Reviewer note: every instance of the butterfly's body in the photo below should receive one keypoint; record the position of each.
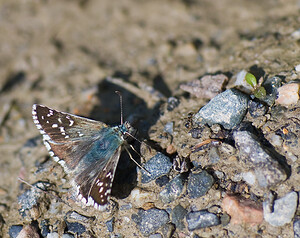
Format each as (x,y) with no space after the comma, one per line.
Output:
(88,150)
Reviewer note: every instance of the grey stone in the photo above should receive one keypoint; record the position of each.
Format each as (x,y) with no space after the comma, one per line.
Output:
(158,165)
(53,235)
(227,109)
(271,85)
(45,227)
(151,220)
(157,235)
(31,198)
(67,236)
(162,181)
(267,170)
(177,216)
(75,228)
(256,108)
(199,184)
(110,224)
(72,215)
(201,219)
(283,210)
(14,231)
(214,155)
(296,227)
(172,103)
(172,190)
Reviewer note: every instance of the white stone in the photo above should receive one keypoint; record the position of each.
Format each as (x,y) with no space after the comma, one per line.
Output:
(288,94)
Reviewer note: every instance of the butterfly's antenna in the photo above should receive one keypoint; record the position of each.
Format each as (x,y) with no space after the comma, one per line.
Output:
(50,194)
(121,105)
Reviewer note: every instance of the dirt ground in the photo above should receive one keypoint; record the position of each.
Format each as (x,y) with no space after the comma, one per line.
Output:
(59,53)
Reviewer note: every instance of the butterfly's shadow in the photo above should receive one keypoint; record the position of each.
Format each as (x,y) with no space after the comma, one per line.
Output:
(140,117)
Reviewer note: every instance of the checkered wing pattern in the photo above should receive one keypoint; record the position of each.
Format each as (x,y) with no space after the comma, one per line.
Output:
(69,139)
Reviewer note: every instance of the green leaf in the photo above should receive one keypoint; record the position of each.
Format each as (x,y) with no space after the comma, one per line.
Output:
(250,79)
(260,93)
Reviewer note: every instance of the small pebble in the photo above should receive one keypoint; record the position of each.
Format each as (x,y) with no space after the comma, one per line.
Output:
(267,170)
(44,226)
(242,211)
(199,184)
(172,103)
(157,235)
(249,177)
(171,149)
(158,165)
(297,68)
(110,224)
(72,215)
(172,190)
(167,230)
(53,235)
(29,200)
(169,127)
(138,197)
(276,140)
(67,236)
(208,86)
(75,228)
(28,231)
(201,219)
(151,220)
(214,155)
(14,230)
(177,215)
(242,83)
(271,85)
(185,50)
(126,207)
(296,34)
(256,108)
(220,175)
(296,227)
(227,109)
(162,181)
(288,94)
(282,211)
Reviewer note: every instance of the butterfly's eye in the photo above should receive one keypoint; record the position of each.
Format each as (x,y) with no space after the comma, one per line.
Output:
(129,130)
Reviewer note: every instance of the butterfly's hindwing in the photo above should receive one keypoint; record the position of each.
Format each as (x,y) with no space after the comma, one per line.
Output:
(95,189)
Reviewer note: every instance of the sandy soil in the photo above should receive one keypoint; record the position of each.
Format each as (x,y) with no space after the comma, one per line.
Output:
(58,53)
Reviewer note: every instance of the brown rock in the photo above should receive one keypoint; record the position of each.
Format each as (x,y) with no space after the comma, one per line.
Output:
(242,210)
(28,232)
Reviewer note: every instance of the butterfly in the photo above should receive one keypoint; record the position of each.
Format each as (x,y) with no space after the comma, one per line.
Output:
(88,150)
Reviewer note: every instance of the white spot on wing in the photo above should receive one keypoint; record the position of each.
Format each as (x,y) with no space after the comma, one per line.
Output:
(46,137)
(71,122)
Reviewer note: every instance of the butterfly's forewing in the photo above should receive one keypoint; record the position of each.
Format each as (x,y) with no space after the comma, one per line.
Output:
(66,136)
(86,148)
(61,127)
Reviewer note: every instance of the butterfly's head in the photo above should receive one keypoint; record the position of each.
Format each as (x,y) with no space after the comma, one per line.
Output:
(127,130)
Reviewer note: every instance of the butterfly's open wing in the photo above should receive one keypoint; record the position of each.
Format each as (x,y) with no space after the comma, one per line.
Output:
(66,136)
(94,189)
(61,127)
(88,149)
